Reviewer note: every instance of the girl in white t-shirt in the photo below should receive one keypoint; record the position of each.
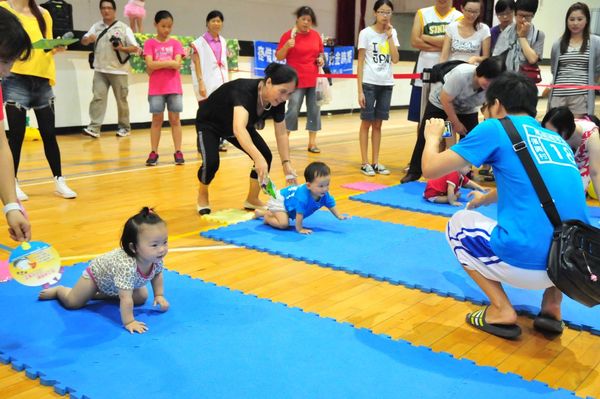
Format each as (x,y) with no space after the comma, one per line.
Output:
(467,39)
(377,50)
(124,272)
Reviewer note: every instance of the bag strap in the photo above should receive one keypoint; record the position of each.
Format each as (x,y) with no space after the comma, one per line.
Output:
(102,33)
(520,147)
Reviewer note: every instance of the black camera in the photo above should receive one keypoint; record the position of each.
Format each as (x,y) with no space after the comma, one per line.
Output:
(115,41)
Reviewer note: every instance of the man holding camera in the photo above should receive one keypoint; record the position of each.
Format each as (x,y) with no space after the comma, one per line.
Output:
(113,42)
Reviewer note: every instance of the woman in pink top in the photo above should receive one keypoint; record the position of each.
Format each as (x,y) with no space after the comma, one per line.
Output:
(163,60)
(302,48)
(582,136)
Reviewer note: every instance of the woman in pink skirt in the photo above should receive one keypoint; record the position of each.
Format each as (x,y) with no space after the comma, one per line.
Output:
(135,11)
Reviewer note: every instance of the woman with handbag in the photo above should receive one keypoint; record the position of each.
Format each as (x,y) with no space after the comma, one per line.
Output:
(522,44)
(302,48)
(575,60)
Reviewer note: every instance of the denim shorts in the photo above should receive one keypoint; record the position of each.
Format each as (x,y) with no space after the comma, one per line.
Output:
(174,103)
(25,91)
(377,102)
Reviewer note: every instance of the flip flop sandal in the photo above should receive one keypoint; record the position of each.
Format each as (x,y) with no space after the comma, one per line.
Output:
(548,324)
(314,150)
(507,331)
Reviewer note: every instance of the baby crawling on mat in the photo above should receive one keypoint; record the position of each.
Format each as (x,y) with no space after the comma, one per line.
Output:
(446,189)
(299,202)
(124,272)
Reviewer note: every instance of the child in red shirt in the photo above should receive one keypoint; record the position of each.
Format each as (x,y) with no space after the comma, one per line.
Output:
(446,189)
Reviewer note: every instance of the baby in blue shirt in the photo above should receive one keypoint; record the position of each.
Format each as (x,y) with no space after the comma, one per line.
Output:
(299,202)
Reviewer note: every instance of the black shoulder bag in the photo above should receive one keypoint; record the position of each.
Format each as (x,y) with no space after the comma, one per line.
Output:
(92,55)
(574,257)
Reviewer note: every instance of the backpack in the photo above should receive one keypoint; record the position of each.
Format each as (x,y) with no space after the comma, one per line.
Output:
(62,16)
(437,72)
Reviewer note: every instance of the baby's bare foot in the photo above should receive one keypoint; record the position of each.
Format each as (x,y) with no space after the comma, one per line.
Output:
(48,293)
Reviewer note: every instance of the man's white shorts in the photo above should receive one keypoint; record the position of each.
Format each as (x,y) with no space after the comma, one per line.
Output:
(469,233)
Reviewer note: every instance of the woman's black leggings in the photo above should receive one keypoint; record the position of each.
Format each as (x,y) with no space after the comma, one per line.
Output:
(16,124)
(208,146)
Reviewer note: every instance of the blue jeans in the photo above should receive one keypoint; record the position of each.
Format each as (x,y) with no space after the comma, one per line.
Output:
(27,92)
(377,102)
(313,111)
(174,103)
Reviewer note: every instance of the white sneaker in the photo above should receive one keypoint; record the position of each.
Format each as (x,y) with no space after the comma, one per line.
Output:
(122,132)
(382,170)
(62,189)
(89,132)
(367,170)
(21,196)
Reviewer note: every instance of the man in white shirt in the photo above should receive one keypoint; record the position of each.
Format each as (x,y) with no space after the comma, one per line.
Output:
(113,42)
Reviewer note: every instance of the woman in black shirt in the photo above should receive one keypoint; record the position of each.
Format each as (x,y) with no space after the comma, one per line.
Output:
(234,112)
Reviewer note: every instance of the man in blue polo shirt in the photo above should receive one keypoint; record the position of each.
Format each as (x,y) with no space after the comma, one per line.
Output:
(514,249)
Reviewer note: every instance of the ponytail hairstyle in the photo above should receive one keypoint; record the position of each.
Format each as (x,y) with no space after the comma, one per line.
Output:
(562,119)
(37,13)
(280,74)
(131,230)
(566,36)
(15,43)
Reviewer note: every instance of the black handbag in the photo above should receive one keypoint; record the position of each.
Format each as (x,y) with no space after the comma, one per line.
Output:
(574,257)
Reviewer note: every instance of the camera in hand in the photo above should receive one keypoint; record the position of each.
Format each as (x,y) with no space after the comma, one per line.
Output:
(115,41)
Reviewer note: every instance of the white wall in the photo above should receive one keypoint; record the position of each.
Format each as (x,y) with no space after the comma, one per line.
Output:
(74,83)
(244,19)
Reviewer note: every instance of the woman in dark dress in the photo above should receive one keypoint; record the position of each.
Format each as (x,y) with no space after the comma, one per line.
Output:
(235,112)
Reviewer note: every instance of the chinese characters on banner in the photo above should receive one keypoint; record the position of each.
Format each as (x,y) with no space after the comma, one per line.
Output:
(339,59)
(264,54)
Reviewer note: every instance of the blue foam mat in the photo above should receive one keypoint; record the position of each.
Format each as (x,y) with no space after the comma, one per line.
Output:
(413,257)
(218,343)
(409,196)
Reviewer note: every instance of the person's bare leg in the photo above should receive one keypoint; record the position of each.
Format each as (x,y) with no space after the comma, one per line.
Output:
(71,298)
(253,192)
(363,138)
(500,310)
(279,220)
(551,303)
(375,140)
(312,139)
(155,127)
(140,296)
(203,195)
(175,123)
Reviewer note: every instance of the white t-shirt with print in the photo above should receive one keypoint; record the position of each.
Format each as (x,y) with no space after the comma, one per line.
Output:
(463,48)
(378,61)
